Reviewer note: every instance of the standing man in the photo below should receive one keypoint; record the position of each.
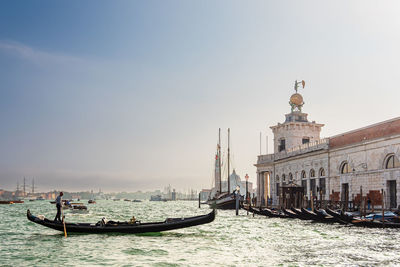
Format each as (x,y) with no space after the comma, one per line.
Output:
(59,204)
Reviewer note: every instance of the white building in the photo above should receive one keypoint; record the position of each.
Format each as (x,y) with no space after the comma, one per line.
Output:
(338,165)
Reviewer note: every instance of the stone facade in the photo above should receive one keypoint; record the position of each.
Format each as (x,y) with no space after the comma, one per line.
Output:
(366,157)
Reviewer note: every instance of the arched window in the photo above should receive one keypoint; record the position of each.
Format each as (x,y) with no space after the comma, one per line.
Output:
(277,178)
(283,177)
(303,175)
(321,172)
(392,162)
(312,173)
(290,177)
(344,168)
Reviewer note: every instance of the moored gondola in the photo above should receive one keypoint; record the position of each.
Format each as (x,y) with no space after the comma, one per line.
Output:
(124,227)
(374,224)
(319,216)
(290,214)
(265,212)
(325,217)
(341,216)
(301,215)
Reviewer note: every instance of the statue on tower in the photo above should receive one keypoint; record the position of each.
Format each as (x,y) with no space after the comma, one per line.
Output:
(296,100)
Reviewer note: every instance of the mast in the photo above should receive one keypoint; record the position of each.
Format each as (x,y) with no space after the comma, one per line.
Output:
(219,160)
(229,184)
(24,186)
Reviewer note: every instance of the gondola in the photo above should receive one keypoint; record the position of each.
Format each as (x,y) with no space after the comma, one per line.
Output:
(341,216)
(374,224)
(124,227)
(273,213)
(325,217)
(301,215)
(318,216)
(265,212)
(290,214)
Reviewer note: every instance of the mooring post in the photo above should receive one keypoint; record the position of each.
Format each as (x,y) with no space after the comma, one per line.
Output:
(361,201)
(199,200)
(383,207)
(320,198)
(365,206)
(312,201)
(254,202)
(237,196)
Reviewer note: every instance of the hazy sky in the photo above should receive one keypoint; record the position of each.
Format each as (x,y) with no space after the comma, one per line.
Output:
(129,95)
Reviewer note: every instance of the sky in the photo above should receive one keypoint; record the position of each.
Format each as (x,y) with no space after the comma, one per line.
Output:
(129,95)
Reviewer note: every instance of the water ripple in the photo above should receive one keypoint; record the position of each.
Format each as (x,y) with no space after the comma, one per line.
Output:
(230,240)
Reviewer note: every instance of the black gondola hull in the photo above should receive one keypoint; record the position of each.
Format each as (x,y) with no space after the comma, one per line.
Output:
(374,224)
(290,214)
(265,212)
(226,202)
(168,224)
(342,217)
(319,217)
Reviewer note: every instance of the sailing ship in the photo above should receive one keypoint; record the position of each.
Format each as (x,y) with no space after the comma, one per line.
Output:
(222,200)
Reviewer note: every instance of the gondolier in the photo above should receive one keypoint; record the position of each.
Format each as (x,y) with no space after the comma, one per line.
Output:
(59,205)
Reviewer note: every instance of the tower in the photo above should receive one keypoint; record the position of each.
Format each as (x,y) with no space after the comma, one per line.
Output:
(296,130)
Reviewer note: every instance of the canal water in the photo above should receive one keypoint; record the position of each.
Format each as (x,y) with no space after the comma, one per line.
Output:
(230,240)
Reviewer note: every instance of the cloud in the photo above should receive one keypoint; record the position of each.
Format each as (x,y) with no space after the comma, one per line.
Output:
(35,55)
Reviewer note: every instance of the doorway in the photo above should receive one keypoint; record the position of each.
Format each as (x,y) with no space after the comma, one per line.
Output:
(266,187)
(345,195)
(392,194)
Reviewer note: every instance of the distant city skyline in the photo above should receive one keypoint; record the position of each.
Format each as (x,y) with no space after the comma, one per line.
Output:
(129,95)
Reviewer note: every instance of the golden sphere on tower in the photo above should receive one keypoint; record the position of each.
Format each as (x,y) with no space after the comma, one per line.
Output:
(296,99)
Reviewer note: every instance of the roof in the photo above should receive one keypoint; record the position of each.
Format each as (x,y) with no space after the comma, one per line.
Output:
(371,132)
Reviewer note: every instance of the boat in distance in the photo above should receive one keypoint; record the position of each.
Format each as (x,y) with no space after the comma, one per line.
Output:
(124,227)
(224,201)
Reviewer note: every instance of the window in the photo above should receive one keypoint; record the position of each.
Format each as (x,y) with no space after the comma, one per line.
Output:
(282,145)
(392,162)
(306,140)
(303,175)
(277,178)
(321,172)
(290,177)
(277,189)
(312,173)
(344,168)
(283,178)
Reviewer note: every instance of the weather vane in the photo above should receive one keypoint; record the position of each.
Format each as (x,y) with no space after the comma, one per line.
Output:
(296,84)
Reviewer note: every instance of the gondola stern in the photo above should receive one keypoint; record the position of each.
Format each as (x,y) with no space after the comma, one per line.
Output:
(29,215)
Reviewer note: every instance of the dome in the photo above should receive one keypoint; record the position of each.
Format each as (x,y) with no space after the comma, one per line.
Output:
(296,99)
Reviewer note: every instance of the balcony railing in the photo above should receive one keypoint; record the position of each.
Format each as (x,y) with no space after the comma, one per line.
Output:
(305,148)
(265,158)
(297,150)
(313,144)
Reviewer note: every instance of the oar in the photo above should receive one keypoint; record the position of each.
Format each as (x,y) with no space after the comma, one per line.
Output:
(63,217)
